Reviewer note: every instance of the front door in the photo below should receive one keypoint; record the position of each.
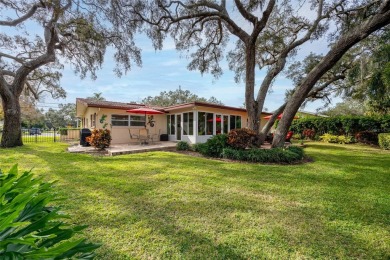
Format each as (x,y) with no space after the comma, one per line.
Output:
(178,127)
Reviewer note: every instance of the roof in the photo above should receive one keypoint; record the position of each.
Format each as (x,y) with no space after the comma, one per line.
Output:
(127,106)
(114,105)
(203,104)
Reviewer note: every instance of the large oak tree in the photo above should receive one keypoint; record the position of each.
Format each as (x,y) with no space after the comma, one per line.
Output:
(38,36)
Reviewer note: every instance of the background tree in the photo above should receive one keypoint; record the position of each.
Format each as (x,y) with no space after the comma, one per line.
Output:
(63,117)
(178,96)
(357,23)
(347,107)
(359,77)
(369,80)
(97,96)
(75,32)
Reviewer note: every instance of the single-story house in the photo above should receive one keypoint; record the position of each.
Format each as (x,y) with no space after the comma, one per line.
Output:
(192,122)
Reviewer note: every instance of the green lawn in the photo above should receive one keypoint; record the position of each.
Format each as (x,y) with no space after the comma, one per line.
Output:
(167,205)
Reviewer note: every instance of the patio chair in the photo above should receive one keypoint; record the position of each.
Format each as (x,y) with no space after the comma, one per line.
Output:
(133,136)
(155,136)
(143,136)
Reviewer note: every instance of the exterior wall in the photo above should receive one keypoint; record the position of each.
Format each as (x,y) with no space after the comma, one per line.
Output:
(120,134)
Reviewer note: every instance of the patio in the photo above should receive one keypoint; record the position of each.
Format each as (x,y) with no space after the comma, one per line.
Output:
(119,149)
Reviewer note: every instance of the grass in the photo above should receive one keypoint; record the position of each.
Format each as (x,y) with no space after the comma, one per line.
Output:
(168,205)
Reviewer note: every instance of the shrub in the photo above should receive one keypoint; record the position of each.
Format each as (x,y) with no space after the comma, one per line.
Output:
(182,146)
(215,145)
(296,137)
(200,148)
(309,134)
(367,137)
(63,131)
(384,141)
(29,229)
(329,138)
(342,125)
(243,138)
(344,139)
(275,155)
(340,139)
(100,138)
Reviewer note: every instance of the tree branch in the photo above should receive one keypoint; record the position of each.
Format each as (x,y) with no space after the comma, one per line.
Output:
(23,18)
(244,12)
(11,57)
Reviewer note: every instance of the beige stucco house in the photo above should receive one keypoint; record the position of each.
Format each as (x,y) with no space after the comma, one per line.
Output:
(193,122)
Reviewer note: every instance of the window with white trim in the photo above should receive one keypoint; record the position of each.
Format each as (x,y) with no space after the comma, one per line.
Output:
(188,123)
(119,120)
(137,120)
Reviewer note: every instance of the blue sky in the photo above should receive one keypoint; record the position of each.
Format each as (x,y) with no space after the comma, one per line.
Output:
(165,70)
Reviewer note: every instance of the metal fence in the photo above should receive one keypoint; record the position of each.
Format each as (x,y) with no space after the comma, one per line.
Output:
(54,135)
(38,136)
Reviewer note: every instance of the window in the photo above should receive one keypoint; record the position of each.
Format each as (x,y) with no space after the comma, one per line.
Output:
(232,122)
(188,123)
(210,123)
(191,123)
(171,124)
(218,124)
(205,123)
(238,121)
(235,122)
(137,120)
(225,124)
(120,120)
(201,123)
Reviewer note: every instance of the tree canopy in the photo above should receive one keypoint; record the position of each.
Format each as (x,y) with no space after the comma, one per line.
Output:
(63,117)
(178,96)
(346,107)
(269,33)
(39,36)
(97,96)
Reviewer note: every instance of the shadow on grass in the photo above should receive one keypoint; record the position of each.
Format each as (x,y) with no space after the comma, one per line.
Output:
(166,205)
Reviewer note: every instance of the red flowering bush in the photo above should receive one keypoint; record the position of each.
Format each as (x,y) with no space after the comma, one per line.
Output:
(243,138)
(367,137)
(309,134)
(100,138)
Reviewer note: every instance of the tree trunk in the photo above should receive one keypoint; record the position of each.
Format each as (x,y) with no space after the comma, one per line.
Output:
(12,134)
(331,58)
(251,104)
(270,123)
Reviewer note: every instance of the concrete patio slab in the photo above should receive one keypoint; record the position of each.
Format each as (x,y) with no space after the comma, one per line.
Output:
(118,149)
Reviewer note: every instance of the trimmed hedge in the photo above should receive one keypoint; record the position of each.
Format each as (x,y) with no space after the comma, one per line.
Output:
(276,155)
(342,125)
(384,141)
